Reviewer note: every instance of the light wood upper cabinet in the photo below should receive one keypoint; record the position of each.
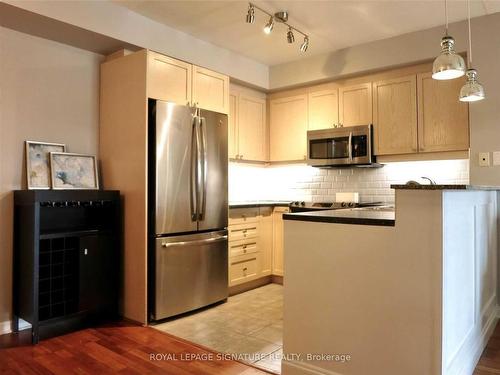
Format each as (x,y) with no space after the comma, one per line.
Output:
(252,128)
(232,141)
(247,124)
(395,115)
(443,121)
(355,104)
(288,128)
(210,90)
(168,79)
(323,109)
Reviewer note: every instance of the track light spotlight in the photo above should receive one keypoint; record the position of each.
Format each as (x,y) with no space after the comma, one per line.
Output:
(304,45)
(269,25)
(250,14)
(289,36)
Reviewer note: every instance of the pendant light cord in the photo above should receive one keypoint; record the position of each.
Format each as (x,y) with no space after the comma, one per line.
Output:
(470,41)
(446,14)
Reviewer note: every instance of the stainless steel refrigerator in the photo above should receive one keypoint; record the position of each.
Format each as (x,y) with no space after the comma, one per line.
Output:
(189,197)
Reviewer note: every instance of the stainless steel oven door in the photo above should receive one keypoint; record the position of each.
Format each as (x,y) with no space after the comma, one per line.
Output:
(340,146)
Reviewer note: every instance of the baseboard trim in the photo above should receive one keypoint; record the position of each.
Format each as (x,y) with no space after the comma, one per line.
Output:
(292,367)
(6,326)
(277,279)
(245,287)
(481,344)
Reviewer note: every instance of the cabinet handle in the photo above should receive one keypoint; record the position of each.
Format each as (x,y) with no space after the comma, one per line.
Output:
(244,246)
(245,269)
(85,251)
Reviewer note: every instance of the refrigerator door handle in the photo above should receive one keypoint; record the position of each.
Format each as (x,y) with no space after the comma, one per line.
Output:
(204,164)
(195,242)
(194,171)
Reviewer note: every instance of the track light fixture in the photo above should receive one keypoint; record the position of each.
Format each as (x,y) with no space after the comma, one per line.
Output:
(280,17)
(269,26)
(250,14)
(289,36)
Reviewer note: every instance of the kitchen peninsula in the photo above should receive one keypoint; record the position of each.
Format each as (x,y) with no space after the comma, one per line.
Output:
(412,294)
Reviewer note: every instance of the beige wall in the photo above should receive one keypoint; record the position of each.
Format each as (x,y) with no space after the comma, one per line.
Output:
(48,92)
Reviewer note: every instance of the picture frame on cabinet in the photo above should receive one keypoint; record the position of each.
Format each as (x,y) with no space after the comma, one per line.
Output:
(38,175)
(71,171)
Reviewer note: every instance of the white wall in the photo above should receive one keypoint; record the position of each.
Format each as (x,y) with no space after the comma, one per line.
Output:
(48,92)
(300,182)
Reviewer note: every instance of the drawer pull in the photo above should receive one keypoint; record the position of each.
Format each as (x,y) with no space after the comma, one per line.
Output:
(244,269)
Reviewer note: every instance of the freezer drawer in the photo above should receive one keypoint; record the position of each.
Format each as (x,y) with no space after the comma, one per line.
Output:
(191,272)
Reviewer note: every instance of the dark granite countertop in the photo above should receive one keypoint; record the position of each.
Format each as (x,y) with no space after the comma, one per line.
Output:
(264,203)
(444,187)
(357,216)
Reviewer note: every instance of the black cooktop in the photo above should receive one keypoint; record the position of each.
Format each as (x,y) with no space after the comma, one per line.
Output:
(301,206)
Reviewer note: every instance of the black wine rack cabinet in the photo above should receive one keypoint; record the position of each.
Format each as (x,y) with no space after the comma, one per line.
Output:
(66,259)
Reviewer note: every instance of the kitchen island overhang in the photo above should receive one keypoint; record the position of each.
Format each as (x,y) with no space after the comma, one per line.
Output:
(417,296)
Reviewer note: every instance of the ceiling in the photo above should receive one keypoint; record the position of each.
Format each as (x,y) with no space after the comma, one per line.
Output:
(331,24)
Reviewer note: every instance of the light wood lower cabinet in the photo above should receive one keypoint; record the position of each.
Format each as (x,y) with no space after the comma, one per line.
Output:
(443,121)
(255,243)
(278,248)
(266,240)
(395,115)
(288,128)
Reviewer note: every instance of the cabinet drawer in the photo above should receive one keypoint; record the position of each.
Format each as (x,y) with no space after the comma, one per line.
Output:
(243,231)
(243,247)
(243,269)
(243,215)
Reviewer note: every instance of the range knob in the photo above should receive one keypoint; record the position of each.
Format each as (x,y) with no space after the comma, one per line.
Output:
(302,203)
(344,204)
(352,204)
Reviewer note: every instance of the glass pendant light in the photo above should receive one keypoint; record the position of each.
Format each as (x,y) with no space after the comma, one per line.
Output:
(472,91)
(449,64)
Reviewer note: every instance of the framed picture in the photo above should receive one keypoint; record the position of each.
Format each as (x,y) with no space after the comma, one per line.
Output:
(73,171)
(37,163)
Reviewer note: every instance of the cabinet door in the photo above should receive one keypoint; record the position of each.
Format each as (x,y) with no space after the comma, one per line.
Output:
(98,273)
(355,104)
(210,90)
(323,109)
(278,237)
(252,128)
(266,241)
(168,79)
(232,144)
(395,116)
(288,128)
(443,121)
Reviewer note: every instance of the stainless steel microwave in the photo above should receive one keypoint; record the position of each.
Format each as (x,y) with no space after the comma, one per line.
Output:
(340,146)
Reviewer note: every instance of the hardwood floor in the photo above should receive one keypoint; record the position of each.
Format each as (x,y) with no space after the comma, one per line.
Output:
(489,363)
(120,348)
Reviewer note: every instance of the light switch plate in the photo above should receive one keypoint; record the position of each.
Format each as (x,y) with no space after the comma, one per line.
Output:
(484,159)
(496,158)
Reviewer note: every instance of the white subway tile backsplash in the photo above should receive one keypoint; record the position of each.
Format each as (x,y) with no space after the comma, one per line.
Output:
(300,182)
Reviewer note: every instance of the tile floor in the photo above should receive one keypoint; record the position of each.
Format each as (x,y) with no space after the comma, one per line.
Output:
(248,325)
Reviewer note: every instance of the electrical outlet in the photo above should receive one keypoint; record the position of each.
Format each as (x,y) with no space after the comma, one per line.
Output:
(496,158)
(484,159)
